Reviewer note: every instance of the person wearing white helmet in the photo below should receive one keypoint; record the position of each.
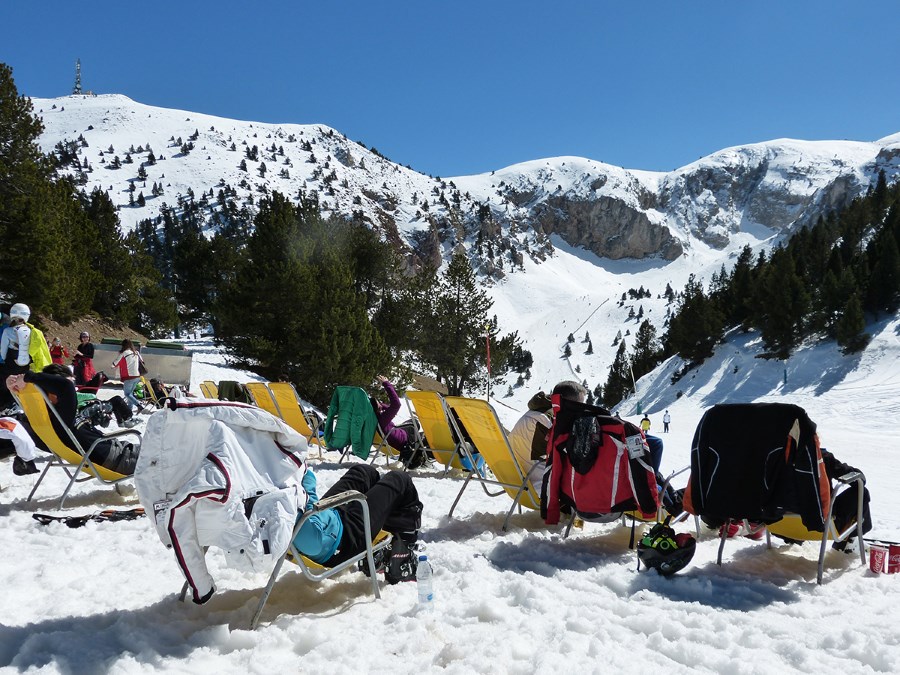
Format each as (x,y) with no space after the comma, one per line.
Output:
(15,342)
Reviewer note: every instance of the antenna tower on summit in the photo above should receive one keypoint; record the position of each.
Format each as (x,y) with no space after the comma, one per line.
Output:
(77,89)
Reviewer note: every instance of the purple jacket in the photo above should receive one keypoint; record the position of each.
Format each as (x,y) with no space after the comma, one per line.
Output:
(396,438)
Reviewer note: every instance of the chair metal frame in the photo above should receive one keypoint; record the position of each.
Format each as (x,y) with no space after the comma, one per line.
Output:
(40,420)
(516,490)
(309,567)
(830,533)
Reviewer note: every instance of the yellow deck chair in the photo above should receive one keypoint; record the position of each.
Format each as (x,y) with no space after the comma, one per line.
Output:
(209,389)
(314,571)
(38,410)
(149,394)
(480,420)
(262,398)
(434,418)
(288,402)
(791,526)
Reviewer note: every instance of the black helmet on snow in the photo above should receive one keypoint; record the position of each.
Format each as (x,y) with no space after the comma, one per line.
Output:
(665,551)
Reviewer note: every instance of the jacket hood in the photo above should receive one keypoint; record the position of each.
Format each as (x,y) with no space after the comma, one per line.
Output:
(540,402)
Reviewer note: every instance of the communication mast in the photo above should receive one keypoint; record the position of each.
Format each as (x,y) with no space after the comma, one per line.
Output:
(77,90)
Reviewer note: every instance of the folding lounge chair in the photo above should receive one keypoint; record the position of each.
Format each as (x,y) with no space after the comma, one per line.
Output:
(150,395)
(439,439)
(599,467)
(209,389)
(292,412)
(38,410)
(262,398)
(480,421)
(351,424)
(760,463)
(314,571)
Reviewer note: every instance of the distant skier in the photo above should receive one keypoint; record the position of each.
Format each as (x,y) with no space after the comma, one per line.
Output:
(645,424)
(666,419)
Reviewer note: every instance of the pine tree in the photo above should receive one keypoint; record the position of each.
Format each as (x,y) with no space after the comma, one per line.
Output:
(618,384)
(646,350)
(783,305)
(108,257)
(697,326)
(22,170)
(884,282)
(150,303)
(291,271)
(44,233)
(458,324)
(669,294)
(850,327)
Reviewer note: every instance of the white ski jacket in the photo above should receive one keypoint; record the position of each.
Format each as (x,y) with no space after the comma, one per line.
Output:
(18,339)
(218,473)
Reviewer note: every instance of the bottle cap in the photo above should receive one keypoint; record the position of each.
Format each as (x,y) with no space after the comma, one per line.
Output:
(423,557)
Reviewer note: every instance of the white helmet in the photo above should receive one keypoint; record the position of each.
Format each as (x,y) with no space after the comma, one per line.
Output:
(19,311)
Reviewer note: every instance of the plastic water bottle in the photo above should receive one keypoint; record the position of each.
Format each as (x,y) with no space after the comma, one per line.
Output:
(423,583)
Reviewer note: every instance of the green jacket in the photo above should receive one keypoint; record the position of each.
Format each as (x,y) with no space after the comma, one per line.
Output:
(351,421)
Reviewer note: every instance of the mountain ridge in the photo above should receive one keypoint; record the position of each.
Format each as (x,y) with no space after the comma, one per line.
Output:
(499,217)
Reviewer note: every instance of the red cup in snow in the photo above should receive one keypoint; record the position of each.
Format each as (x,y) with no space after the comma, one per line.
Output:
(893,561)
(878,556)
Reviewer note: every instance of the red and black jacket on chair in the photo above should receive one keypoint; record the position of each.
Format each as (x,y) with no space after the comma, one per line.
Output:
(597,464)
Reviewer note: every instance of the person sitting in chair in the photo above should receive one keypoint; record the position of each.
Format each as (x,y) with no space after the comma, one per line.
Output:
(112,454)
(396,437)
(335,535)
(844,511)
(528,437)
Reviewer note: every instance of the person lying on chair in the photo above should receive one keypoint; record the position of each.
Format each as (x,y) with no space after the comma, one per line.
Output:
(112,454)
(334,535)
(396,437)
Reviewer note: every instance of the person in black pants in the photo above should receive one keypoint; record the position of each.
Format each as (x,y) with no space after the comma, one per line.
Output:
(335,535)
(112,454)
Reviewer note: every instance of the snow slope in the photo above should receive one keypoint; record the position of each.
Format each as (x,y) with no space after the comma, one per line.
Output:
(103,598)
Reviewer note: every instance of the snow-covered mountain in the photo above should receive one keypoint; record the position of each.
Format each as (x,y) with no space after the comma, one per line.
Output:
(563,238)
(759,612)
(502,217)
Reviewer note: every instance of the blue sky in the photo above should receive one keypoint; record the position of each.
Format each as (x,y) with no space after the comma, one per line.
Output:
(471,86)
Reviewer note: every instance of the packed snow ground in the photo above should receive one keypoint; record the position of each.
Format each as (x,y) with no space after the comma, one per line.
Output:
(103,598)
